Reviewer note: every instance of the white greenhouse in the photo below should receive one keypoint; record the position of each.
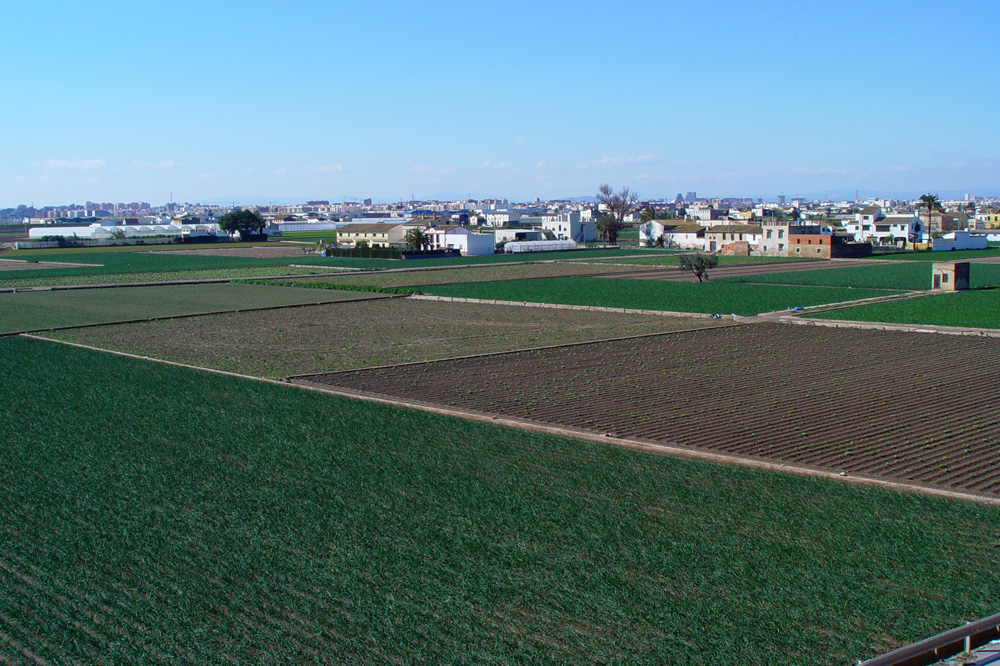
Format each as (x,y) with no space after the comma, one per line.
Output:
(538,246)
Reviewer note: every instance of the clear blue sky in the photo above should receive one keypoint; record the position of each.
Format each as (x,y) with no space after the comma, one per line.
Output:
(113,101)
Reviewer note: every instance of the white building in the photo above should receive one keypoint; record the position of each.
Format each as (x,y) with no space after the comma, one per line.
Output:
(502,218)
(682,236)
(959,240)
(882,229)
(454,237)
(569,226)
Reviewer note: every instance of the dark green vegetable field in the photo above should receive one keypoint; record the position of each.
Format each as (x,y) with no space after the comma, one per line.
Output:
(978,308)
(911,275)
(707,297)
(141,260)
(152,514)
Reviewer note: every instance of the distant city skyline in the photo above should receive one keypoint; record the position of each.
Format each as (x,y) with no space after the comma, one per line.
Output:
(255,102)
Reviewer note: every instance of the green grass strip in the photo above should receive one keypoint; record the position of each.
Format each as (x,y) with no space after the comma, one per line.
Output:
(153,513)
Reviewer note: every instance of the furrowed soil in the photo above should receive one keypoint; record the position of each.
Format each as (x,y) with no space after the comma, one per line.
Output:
(40,310)
(906,407)
(22,265)
(357,335)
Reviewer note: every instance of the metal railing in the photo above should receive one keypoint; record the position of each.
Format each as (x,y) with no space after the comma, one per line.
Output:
(966,638)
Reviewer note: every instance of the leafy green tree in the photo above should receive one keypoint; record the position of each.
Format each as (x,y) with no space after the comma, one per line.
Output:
(243,222)
(617,206)
(930,203)
(698,264)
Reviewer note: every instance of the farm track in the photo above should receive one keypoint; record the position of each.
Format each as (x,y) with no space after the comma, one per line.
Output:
(879,408)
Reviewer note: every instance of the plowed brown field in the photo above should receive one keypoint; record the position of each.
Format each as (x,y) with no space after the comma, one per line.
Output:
(909,407)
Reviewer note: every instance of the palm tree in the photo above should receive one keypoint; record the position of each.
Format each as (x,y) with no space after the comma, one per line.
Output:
(931,203)
(417,239)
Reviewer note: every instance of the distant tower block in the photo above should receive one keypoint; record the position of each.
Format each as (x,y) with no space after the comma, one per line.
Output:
(950,275)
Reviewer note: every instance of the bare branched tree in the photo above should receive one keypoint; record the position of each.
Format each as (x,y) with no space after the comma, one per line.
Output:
(617,206)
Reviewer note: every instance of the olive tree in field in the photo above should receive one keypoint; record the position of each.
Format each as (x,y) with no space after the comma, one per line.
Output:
(617,205)
(698,264)
(243,222)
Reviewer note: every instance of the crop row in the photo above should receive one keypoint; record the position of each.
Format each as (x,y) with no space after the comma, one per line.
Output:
(154,514)
(977,308)
(113,263)
(882,403)
(911,275)
(709,298)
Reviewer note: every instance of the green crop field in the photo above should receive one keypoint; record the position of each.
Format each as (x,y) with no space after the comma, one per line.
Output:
(173,276)
(40,310)
(907,276)
(951,255)
(708,297)
(158,514)
(143,260)
(660,257)
(901,276)
(978,308)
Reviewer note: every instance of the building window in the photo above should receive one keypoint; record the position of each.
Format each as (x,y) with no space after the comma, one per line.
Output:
(768,233)
(781,233)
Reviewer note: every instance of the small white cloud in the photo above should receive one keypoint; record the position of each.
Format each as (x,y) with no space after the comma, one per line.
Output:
(280,170)
(250,170)
(329,168)
(82,165)
(206,175)
(420,168)
(520,142)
